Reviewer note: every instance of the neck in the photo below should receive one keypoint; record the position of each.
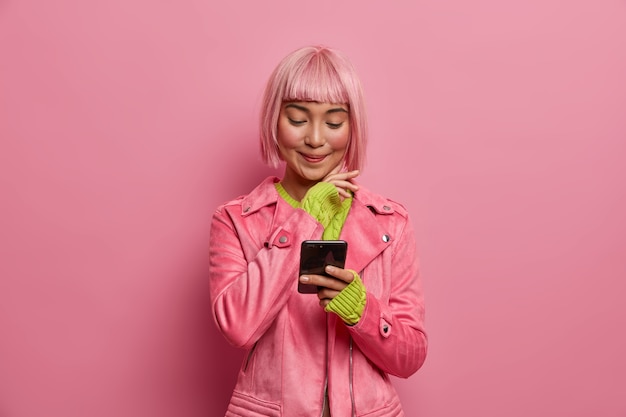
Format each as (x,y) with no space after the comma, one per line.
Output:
(296,186)
(296,190)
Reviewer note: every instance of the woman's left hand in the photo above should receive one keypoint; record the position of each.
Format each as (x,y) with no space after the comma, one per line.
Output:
(343,181)
(329,286)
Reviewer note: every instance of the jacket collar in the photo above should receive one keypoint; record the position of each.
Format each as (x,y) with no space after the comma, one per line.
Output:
(375,202)
(265,194)
(361,225)
(368,235)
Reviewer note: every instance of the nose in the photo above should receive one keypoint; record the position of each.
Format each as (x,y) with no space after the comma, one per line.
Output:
(314,137)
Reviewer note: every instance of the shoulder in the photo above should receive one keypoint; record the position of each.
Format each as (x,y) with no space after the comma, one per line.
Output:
(379,204)
(262,195)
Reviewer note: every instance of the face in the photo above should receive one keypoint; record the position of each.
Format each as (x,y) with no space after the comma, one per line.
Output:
(312,140)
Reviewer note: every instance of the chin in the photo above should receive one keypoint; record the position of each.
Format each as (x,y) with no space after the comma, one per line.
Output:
(315,177)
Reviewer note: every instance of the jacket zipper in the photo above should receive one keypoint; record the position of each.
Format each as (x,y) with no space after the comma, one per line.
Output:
(326,371)
(351,383)
(249,357)
(325,396)
(351,380)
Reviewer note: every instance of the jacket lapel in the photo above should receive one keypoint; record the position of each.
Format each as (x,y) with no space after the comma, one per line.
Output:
(363,230)
(365,236)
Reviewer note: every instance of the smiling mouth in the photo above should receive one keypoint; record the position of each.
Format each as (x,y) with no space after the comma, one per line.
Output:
(313,158)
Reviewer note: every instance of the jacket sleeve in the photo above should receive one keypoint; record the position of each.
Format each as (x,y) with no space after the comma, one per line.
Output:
(391,333)
(251,281)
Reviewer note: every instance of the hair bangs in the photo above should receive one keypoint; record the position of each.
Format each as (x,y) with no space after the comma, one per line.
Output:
(320,74)
(318,80)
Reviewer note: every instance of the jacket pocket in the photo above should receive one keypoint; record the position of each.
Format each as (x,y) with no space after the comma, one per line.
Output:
(242,405)
(393,409)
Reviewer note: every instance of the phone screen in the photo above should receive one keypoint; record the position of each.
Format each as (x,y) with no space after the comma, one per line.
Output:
(315,255)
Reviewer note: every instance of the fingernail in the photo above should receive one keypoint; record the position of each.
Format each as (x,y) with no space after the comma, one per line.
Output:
(330,268)
(304,278)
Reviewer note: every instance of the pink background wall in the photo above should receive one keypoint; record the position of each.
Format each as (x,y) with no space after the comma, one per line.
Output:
(501,125)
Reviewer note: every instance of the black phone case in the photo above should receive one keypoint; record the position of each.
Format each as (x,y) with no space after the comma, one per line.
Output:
(315,255)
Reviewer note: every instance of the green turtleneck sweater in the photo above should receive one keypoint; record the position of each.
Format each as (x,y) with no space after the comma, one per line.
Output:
(322,201)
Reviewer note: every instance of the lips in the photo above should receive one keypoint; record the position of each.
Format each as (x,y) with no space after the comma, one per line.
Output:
(313,159)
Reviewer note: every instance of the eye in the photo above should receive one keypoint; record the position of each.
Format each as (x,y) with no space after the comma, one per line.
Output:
(296,122)
(334,125)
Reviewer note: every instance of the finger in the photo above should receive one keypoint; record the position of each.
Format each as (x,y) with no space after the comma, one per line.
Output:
(341,175)
(344,275)
(334,171)
(343,193)
(323,281)
(327,294)
(345,184)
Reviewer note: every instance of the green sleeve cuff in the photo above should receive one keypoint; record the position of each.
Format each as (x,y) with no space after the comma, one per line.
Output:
(350,302)
(322,202)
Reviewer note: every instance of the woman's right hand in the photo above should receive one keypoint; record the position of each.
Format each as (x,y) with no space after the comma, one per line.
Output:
(342,181)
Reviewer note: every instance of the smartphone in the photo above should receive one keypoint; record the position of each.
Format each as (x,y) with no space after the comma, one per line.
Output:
(315,255)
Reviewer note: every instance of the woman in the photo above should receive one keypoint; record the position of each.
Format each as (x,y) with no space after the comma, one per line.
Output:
(330,354)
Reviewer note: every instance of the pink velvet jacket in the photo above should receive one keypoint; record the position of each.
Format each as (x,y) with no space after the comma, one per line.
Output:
(295,350)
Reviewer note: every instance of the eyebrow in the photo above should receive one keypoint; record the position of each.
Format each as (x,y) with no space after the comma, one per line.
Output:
(305,109)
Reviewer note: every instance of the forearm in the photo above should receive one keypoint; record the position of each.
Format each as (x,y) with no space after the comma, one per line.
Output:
(396,344)
(391,329)
(247,295)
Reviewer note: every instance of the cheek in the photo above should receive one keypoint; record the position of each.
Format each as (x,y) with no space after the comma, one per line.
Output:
(339,141)
(286,137)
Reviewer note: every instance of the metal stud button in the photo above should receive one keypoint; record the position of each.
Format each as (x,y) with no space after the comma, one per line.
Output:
(247,209)
(386,238)
(282,239)
(386,208)
(385,329)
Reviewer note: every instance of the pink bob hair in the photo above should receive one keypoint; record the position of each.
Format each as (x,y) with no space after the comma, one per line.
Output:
(320,74)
